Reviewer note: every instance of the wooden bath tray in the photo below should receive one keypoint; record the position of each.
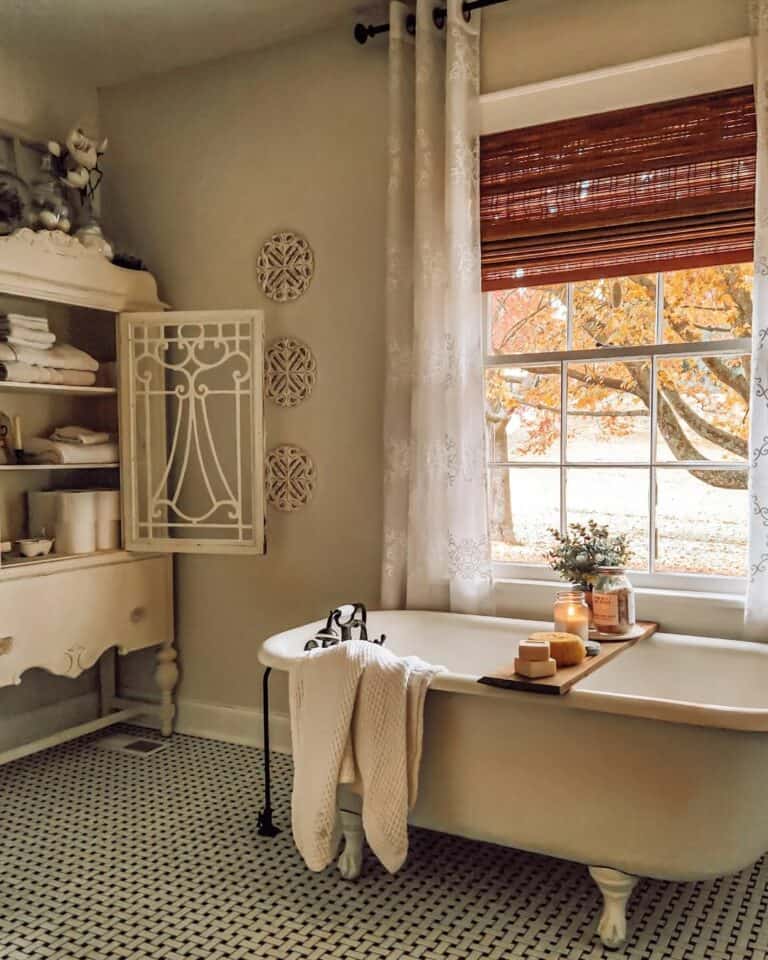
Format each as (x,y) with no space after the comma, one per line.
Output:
(565,677)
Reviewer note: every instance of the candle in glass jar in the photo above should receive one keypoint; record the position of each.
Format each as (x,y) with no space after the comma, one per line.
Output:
(571,613)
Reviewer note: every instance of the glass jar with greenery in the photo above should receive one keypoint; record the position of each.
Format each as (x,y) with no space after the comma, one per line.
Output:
(579,551)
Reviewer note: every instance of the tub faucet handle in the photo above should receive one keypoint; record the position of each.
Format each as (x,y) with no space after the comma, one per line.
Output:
(327,637)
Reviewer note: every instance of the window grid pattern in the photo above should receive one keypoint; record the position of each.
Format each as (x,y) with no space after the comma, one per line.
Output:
(652,353)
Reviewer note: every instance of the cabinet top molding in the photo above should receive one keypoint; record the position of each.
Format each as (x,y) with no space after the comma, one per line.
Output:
(55,266)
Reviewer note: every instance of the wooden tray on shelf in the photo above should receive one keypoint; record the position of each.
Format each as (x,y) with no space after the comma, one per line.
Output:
(565,677)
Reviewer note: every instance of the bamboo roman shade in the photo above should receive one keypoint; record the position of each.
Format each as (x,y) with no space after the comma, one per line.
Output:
(660,187)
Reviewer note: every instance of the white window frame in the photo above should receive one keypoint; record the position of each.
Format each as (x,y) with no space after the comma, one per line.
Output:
(653,353)
(683,74)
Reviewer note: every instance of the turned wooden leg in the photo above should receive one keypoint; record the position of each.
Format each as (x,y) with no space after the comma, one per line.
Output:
(350,863)
(616,888)
(166,678)
(107,681)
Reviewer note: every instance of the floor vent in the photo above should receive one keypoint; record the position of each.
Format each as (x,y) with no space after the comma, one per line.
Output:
(136,746)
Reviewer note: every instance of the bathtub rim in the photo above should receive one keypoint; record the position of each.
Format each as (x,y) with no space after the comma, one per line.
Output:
(744,719)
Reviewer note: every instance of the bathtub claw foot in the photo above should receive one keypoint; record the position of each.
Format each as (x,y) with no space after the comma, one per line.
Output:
(350,862)
(616,888)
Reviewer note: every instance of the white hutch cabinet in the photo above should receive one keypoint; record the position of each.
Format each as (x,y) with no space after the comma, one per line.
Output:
(188,404)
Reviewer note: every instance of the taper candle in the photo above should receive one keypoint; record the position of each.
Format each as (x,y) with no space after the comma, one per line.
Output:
(18,442)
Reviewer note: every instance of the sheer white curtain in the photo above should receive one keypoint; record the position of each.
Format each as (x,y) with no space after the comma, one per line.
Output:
(436,548)
(757,591)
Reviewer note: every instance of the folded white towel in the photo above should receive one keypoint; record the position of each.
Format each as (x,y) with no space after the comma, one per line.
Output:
(62,356)
(18,372)
(40,450)
(356,717)
(21,320)
(28,338)
(23,373)
(70,378)
(81,435)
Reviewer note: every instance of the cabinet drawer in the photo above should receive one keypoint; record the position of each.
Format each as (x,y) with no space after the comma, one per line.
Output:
(64,621)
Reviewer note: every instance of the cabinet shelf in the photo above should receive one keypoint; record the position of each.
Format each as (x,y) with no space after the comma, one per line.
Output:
(15,562)
(10,386)
(59,466)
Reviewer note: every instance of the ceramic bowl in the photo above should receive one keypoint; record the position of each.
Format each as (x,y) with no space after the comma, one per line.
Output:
(35,547)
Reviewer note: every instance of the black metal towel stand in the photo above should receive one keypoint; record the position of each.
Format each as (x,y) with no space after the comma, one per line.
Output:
(266,827)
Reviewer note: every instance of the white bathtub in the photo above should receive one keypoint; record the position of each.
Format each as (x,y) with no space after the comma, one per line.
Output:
(655,765)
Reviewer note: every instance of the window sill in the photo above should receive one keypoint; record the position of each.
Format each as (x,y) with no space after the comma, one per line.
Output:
(677,611)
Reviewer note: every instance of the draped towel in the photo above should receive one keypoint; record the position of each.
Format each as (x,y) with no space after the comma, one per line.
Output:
(356,718)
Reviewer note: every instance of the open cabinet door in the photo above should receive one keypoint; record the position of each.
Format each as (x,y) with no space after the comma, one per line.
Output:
(192,431)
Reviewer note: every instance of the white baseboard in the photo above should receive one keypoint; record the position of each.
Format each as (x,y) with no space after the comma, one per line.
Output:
(218,721)
(214,721)
(44,721)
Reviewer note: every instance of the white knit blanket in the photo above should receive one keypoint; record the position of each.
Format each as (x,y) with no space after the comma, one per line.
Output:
(356,718)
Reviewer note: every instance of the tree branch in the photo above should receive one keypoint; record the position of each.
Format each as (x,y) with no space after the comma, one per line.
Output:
(707,431)
(707,329)
(583,413)
(727,375)
(683,449)
(679,444)
(519,325)
(612,383)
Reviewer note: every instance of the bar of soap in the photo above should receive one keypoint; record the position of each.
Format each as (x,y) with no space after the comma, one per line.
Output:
(535,669)
(533,650)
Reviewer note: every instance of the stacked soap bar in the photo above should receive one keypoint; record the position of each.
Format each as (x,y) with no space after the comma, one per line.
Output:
(533,659)
(545,652)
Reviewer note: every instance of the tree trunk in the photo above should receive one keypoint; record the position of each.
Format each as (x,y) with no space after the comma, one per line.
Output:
(501,520)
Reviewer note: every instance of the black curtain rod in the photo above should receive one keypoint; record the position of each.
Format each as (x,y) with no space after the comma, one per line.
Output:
(363,33)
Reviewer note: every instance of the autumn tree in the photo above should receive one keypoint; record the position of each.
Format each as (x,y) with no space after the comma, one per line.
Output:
(702,402)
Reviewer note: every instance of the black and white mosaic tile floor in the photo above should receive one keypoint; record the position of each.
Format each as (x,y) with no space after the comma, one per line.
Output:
(105,856)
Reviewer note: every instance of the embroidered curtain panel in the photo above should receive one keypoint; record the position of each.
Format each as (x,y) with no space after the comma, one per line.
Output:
(436,546)
(666,186)
(757,590)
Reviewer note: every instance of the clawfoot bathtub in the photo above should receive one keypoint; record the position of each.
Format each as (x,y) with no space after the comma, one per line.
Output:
(656,765)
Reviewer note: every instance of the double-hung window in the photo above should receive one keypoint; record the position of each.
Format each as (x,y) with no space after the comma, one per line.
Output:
(617,265)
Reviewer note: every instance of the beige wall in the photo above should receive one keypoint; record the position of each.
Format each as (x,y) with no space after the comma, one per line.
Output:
(41,101)
(204,164)
(526,41)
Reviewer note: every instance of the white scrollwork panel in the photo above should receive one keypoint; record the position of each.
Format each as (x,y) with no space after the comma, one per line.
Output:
(192,430)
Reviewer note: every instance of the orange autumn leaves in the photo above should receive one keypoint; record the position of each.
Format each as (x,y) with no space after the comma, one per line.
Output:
(703,401)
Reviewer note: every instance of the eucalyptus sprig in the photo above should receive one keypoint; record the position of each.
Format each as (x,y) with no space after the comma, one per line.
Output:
(581,549)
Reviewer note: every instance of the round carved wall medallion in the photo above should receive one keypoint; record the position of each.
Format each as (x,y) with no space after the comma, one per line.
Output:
(291,476)
(284,266)
(290,371)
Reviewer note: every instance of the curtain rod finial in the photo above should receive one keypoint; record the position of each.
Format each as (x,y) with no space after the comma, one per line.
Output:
(361,32)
